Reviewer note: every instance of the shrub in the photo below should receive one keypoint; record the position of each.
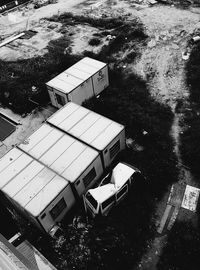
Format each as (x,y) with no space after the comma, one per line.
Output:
(182,249)
(94,41)
(191,136)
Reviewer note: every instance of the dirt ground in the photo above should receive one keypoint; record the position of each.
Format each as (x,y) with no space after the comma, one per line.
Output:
(161,64)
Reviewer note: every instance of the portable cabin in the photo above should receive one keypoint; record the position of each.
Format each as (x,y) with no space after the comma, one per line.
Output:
(83,80)
(76,162)
(95,130)
(35,191)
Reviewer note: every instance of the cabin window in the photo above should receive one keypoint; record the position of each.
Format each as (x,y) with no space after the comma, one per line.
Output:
(91,200)
(77,182)
(114,149)
(58,208)
(108,202)
(43,215)
(89,177)
(122,192)
(60,99)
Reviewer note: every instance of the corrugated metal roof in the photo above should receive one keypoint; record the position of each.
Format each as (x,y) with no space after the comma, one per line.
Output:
(76,74)
(25,179)
(60,152)
(86,125)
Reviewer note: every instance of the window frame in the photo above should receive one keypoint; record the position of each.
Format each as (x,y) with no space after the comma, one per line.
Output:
(58,208)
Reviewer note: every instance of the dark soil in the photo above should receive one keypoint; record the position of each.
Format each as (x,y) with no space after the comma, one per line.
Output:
(182,250)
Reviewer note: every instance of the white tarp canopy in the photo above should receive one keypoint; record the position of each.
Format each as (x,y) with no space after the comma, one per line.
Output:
(120,175)
(190,198)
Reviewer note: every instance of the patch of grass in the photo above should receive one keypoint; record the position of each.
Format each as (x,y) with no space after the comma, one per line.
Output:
(182,249)
(94,42)
(190,140)
(192,72)
(71,19)
(191,136)
(180,3)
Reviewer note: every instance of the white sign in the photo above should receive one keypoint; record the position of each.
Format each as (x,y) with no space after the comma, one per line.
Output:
(190,198)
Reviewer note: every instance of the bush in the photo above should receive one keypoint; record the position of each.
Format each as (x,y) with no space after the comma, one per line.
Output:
(105,23)
(191,136)
(182,249)
(94,42)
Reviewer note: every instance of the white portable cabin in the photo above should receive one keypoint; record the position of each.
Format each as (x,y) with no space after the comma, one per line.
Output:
(36,191)
(95,130)
(76,162)
(83,80)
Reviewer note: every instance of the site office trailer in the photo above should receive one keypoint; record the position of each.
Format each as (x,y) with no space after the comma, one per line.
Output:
(95,130)
(76,162)
(83,80)
(35,191)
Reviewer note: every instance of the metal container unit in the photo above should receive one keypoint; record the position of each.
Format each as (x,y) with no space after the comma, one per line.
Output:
(94,130)
(74,161)
(37,192)
(83,80)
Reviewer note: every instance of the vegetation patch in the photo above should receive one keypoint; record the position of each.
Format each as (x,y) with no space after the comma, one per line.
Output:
(94,42)
(182,249)
(181,3)
(71,19)
(190,138)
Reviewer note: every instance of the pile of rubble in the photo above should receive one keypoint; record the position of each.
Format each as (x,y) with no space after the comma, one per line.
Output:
(42,3)
(144,2)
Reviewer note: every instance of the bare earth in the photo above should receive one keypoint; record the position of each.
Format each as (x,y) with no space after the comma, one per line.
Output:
(161,64)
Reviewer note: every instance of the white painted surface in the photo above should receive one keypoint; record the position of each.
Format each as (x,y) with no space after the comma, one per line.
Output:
(100,194)
(120,175)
